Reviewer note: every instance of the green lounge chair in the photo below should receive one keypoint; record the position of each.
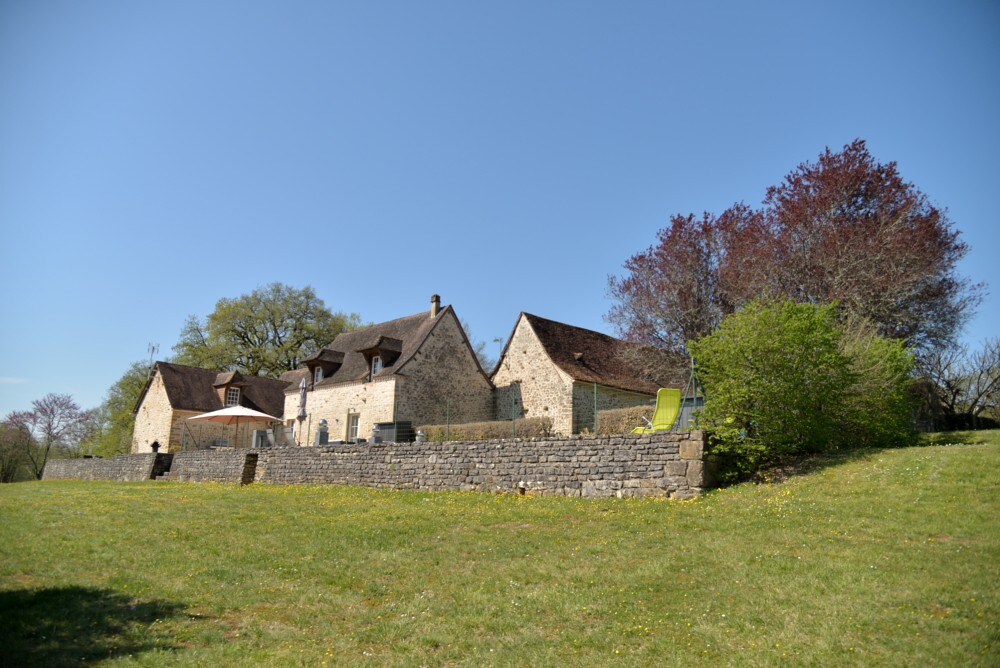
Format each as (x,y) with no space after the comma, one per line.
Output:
(668,407)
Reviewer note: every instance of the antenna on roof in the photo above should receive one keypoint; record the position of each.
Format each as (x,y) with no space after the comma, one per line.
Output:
(152,349)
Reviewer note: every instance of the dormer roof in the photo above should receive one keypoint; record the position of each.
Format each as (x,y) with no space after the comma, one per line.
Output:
(228,378)
(326,356)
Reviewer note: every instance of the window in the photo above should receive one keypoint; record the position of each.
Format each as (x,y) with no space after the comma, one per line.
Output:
(232,396)
(353,422)
(376,365)
(319,375)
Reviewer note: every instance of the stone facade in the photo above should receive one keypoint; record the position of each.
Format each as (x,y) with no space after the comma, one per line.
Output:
(373,402)
(529,384)
(441,381)
(154,421)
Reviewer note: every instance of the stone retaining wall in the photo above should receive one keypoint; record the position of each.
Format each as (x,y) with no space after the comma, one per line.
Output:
(127,468)
(609,466)
(211,466)
(622,466)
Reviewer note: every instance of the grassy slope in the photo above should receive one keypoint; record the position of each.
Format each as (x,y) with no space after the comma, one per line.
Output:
(890,557)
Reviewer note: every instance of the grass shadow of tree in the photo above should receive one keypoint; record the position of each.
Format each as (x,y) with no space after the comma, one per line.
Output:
(65,626)
(805,464)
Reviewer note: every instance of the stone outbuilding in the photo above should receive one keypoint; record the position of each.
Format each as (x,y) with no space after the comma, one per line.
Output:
(551,369)
(395,375)
(175,392)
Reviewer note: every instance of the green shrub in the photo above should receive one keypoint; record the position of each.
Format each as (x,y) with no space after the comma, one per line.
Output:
(782,378)
(623,420)
(533,427)
(879,408)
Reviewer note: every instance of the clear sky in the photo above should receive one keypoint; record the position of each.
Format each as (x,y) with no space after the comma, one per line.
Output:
(158,156)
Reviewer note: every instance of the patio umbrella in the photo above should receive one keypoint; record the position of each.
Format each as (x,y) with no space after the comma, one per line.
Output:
(233,415)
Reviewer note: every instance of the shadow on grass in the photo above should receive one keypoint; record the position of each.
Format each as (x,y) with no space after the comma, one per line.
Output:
(76,625)
(810,463)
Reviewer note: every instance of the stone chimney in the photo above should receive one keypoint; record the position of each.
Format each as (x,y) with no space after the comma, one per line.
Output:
(435,305)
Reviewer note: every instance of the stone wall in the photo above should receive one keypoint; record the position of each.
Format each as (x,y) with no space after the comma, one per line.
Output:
(127,468)
(619,466)
(223,465)
(609,466)
(530,384)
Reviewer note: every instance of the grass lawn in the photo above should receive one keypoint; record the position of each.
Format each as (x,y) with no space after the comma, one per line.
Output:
(889,557)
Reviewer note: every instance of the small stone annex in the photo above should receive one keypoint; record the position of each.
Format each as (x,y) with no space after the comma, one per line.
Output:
(175,392)
(556,370)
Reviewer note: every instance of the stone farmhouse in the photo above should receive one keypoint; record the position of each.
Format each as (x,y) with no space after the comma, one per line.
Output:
(560,371)
(412,371)
(175,392)
(415,370)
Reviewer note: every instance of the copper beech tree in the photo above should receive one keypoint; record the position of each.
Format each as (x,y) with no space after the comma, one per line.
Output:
(845,229)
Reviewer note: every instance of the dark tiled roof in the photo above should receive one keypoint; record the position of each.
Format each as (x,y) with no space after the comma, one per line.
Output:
(405,334)
(591,357)
(192,389)
(324,355)
(227,378)
(292,378)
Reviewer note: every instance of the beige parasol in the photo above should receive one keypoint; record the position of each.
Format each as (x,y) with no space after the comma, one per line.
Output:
(233,415)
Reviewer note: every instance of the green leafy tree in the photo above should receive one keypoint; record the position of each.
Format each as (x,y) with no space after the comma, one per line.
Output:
(14,446)
(782,378)
(116,417)
(266,332)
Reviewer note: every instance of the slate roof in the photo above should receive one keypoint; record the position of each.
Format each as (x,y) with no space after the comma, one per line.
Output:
(403,335)
(191,389)
(592,357)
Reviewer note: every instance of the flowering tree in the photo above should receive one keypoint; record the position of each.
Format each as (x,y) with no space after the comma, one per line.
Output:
(54,421)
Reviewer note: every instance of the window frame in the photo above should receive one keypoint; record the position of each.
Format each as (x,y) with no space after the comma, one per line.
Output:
(318,375)
(376,362)
(353,423)
(232,392)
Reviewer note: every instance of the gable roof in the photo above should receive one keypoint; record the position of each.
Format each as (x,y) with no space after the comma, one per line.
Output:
(592,357)
(404,335)
(192,389)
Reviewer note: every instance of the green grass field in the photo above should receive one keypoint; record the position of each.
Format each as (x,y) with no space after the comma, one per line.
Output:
(889,557)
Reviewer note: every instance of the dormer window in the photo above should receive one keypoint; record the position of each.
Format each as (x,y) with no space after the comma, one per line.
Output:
(318,376)
(232,396)
(376,365)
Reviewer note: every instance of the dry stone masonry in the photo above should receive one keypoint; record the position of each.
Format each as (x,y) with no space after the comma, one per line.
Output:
(127,468)
(624,466)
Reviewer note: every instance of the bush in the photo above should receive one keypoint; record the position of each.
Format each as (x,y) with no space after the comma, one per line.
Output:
(533,427)
(623,420)
(782,378)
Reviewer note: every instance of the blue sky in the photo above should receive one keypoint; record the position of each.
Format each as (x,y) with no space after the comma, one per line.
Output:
(156,157)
